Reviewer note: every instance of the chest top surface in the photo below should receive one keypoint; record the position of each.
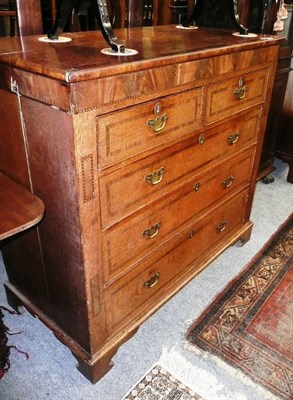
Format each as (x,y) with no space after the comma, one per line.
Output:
(81,58)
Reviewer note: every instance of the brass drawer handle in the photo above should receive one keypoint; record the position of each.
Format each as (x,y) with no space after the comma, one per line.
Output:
(241,91)
(233,138)
(156,177)
(158,123)
(228,182)
(152,281)
(222,226)
(152,231)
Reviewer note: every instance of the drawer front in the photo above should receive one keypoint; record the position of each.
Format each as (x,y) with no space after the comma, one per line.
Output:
(126,190)
(216,67)
(141,288)
(127,133)
(228,97)
(134,239)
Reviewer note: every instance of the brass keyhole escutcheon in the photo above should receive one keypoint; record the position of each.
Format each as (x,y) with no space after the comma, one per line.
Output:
(201,139)
(156,177)
(152,232)
(196,186)
(191,234)
(152,281)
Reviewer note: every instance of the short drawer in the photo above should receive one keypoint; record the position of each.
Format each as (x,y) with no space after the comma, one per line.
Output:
(236,94)
(144,286)
(126,133)
(135,238)
(215,68)
(128,189)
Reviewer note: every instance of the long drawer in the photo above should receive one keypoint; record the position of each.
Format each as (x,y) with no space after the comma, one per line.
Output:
(124,191)
(233,95)
(132,240)
(143,286)
(130,132)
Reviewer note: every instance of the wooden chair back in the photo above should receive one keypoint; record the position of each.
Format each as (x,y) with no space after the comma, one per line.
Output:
(142,12)
(29,17)
(7,18)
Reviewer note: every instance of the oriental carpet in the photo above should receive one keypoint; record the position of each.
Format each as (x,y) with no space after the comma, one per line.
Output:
(159,384)
(250,324)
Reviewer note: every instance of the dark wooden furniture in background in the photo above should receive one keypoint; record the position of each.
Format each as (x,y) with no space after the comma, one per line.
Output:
(284,145)
(20,209)
(153,12)
(48,13)
(123,13)
(7,18)
(29,17)
(171,12)
(135,13)
(275,115)
(113,246)
(35,16)
(276,109)
(262,15)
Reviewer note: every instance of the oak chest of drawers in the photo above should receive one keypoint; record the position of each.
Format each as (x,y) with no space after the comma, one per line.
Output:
(146,165)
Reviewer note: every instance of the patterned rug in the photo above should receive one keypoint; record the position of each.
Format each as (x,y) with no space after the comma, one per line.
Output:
(159,384)
(250,324)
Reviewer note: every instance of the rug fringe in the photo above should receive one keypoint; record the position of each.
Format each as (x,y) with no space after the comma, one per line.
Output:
(232,371)
(156,365)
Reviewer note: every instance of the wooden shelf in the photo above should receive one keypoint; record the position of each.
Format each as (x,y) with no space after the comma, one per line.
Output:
(19,208)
